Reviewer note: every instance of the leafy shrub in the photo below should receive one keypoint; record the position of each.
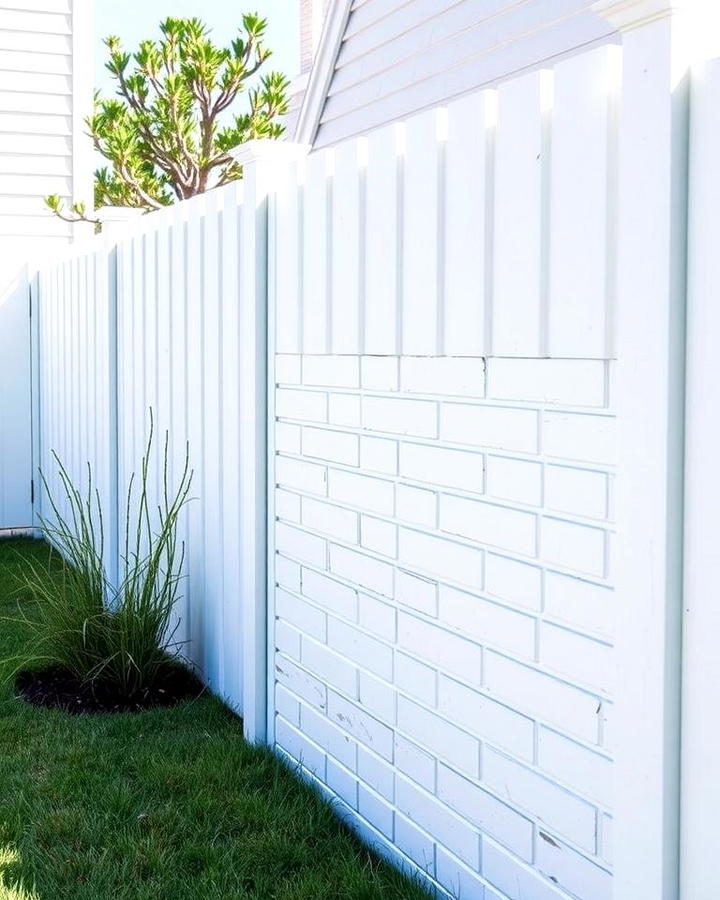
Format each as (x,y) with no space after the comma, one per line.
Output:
(117,638)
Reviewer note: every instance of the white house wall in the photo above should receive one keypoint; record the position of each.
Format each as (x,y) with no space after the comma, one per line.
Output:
(398,57)
(45,93)
(45,83)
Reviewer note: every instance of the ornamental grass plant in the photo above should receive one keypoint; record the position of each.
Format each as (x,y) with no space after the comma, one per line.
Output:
(115,639)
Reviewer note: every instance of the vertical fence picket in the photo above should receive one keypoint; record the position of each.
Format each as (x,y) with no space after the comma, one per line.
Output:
(579,277)
(382,193)
(422,250)
(316,241)
(347,227)
(517,262)
(465,227)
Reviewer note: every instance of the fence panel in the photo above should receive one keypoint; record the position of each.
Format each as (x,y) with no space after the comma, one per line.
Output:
(441,648)
(76,384)
(179,346)
(16,509)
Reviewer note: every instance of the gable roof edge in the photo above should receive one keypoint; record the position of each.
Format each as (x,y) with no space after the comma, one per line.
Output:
(322,71)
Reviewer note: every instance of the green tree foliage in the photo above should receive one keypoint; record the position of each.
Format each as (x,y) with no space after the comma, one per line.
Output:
(168,134)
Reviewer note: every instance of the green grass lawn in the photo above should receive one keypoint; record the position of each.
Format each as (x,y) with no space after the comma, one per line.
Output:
(163,804)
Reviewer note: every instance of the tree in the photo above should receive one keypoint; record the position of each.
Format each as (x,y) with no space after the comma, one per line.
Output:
(168,135)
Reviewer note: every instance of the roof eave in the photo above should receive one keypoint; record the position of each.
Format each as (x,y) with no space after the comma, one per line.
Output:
(322,71)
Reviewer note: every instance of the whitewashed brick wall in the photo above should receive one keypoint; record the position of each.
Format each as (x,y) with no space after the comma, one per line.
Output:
(443,610)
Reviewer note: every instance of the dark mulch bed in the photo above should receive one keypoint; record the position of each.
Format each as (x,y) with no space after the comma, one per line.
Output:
(57,688)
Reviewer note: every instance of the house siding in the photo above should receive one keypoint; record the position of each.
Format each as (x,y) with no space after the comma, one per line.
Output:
(399,57)
(45,89)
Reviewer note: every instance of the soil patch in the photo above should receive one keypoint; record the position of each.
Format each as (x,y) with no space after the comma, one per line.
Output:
(57,688)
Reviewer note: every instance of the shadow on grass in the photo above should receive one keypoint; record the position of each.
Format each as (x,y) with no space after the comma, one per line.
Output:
(11,886)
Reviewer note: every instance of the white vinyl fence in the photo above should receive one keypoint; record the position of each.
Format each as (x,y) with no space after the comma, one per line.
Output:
(152,326)
(445,455)
(476,321)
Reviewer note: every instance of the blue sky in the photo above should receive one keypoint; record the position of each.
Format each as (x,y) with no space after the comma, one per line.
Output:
(135,20)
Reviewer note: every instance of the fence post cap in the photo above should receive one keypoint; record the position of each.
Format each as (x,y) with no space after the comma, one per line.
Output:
(267,150)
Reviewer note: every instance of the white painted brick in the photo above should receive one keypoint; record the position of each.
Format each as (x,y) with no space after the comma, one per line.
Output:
(376,772)
(580,603)
(415,844)
(307,618)
(606,839)
(303,476)
(573,546)
(574,872)
(488,622)
(287,368)
(300,545)
(329,667)
(354,644)
(379,455)
(449,652)
(363,491)
(344,409)
(287,639)
(542,695)
(378,812)
(509,529)
(486,718)
(300,682)
(331,520)
(576,491)
(450,375)
(380,373)
(362,570)
(430,814)
(441,557)
(299,747)
(378,617)
(416,592)
(287,573)
(342,783)
(576,657)
(495,427)
(514,479)
(331,371)
(287,705)
(365,728)
(416,679)
(578,767)
(336,597)
(331,445)
(332,739)
(515,880)
(439,736)
(575,382)
(541,797)
(482,809)
(392,414)
(310,406)
(287,437)
(514,581)
(378,697)
(287,506)
(458,879)
(437,465)
(416,506)
(414,762)
(378,535)
(576,436)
